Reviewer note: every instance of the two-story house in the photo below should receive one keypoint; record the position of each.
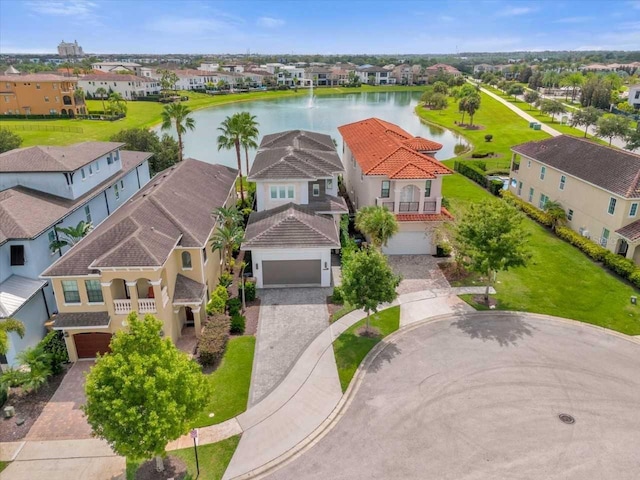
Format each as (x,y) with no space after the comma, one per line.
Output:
(373,75)
(151,256)
(598,186)
(129,86)
(40,94)
(389,167)
(295,227)
(46,187)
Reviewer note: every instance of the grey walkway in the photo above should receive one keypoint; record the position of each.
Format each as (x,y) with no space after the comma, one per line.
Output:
(477,396)
(289,320)
(419,272)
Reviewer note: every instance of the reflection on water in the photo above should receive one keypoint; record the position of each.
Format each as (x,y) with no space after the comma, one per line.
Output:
(325,116)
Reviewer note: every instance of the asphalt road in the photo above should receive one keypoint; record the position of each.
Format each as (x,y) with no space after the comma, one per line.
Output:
(478,397)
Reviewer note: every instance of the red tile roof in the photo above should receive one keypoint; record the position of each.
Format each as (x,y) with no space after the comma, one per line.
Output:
(425,217)
(420,144)
(380,148)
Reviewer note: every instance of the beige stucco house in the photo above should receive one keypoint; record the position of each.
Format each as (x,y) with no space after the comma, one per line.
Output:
(598,186)
(389,167)
(150,256)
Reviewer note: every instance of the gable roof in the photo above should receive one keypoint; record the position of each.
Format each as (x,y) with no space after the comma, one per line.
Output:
(114,77)
(188,290)
(631,232)
(174,208)
(290,226)
(382,148)
(298,154)
(53,158)
(609,168)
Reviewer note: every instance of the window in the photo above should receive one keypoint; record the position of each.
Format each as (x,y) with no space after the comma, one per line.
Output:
(109,159)
(530,195)
(97,166)
(570,215)
(17,255)
(186,261)
(386,187)
(116,155)
(604,239)
(46,99)
(528,163)
(633,210)
(281,191)
(543,201)
(52,238)
(519,189)
(84,175)
(116,191)
(290,191)
(274,192)
(612,206)
(57,99)
(316,189)
(427,188)
(121,184)
(87,213)
(55,86)
(90,170)
(362,176)
(70,291)
(37,86)
(543,171)
(94,291)
(563,180)
(329,184)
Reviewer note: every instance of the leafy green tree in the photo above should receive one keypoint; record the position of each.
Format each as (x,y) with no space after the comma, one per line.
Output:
(466,90)
(232,134)
(633,140)
(552,107)
(441,87)
(145,393)
(225,239)
(596,92)
(462,108)
(117,104)
(9,140)
(427,96)
(491,236)
(178,115)
(471,106)
(515,90)
(102,92)
(229,217)
(556,213)
(368,281)
(8,325)
(575,81)
(165,151)
(439,101)
(585,117)
(613,126)
(531,97)
(249,134)
(168,80)
(69,236)
(377,223)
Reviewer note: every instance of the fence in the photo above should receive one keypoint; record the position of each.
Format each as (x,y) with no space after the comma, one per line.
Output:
(44,128)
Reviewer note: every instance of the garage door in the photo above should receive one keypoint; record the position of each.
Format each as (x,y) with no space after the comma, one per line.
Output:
(89,344)
(291,272)
(410,243)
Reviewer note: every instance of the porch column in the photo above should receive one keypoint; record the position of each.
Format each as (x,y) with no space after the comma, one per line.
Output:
(132,287)
(421,200)
(107,297)
(157,293)
(396,199)
(438,204)
(197,318)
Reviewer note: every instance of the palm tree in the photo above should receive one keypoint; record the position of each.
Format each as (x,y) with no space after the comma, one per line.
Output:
(225,239)
(556,213)
(230,216)
(70,235)
(249,134)
(180,115)
(9,325)
(232,133)
(103,93)
(378,223)
(117,103)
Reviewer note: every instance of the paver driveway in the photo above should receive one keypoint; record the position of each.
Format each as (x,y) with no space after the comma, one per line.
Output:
(290,318)
(478,396)
(62,418)
(419,272)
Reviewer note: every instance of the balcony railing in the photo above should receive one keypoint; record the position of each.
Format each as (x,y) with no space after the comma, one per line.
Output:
(409,206)
(122,306)
(389,205)
(429,207)
(147,305)
(515,167)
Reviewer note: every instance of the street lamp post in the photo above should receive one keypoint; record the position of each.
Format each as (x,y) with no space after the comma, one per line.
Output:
(194,435)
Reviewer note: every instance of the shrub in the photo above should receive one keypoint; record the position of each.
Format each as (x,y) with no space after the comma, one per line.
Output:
(39,367)
(232,265)
(471,171)
(634,278)
(238,322)
(593,250)
(218,301)
(226,279)
(622,266)
(497,171)
(3,394)
(249,291)
(337,296)
(213,341)
(12,377)
(54,345)
(531,211)
(233,306)
(481,154)
(488,137)
(495,187)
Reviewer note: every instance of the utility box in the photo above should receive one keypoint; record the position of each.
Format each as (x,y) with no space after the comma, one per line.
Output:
(537,126)
(9,412)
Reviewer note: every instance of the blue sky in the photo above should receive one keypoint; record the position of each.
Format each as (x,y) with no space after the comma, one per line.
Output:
(326,27)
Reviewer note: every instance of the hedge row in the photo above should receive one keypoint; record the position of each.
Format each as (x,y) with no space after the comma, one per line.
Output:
(533,212)
(213,340)
(472,172)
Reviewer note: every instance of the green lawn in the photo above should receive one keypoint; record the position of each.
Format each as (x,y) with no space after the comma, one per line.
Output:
(350,349)
(213,459)
(3,465)
(147,114)
(230,381)
(345,309)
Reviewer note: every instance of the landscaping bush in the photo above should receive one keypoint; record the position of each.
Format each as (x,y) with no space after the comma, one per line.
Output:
(238,324)
(218,301)
(634,278)
(249,292)
(12,377)
(593,250)
(622,266)
(213,341)
(39,367)
(472,172)
(337,296)
(531,211)
(488,137)
(55,346)
(3,395)
(226,279)
(495,187)
(497,171)
(233,306)
(481,154)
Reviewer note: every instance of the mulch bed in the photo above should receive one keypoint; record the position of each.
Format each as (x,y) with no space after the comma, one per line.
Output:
(28,406)
(452,273)
(174,468)
(332,307)
(479,299)
(471,127)
(251,314)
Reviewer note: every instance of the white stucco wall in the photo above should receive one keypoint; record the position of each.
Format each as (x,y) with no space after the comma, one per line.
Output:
(33,314)
(322,254)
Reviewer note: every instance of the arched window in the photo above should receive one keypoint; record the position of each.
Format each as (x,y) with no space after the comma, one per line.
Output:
(186,260)
(410,193)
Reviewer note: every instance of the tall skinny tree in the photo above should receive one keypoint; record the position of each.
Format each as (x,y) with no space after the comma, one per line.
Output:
(224,240)
(377,223)
(232,132)
(179,115)
(472,105)
(249,135)
(491,236)
(103,94)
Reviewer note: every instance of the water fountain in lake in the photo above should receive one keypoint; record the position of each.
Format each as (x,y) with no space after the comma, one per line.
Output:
(311,102)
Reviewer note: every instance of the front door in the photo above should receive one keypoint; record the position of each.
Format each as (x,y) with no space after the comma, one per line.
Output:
(189,315)
(623,248)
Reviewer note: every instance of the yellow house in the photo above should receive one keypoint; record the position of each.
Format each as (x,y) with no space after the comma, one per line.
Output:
(150,256)
(40,94)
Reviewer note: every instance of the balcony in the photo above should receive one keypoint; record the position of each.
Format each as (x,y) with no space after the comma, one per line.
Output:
(122,306)
(515,167)
(429,207)
(408,207)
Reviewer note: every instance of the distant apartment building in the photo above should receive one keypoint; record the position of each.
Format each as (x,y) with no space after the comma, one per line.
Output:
(129,86)
(115,67)
(634,96)
(68,49)
(375,75)
(40,94)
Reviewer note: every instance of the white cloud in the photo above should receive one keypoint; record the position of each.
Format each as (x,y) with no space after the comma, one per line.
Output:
(270,22)
(573,20)
(515,11)
(76,8)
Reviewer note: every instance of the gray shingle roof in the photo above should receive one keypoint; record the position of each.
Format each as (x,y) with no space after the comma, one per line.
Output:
(328,204)
(54,159)
(46,210)
(296,154)
(609,168)
(290,226)
(188,290)
(81,320)
(174,208)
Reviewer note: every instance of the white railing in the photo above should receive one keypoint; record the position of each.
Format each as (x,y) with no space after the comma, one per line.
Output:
(122,306)
(146,305)
(165,296)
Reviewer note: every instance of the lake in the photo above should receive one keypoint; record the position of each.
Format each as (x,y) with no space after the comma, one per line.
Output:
(325,115)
